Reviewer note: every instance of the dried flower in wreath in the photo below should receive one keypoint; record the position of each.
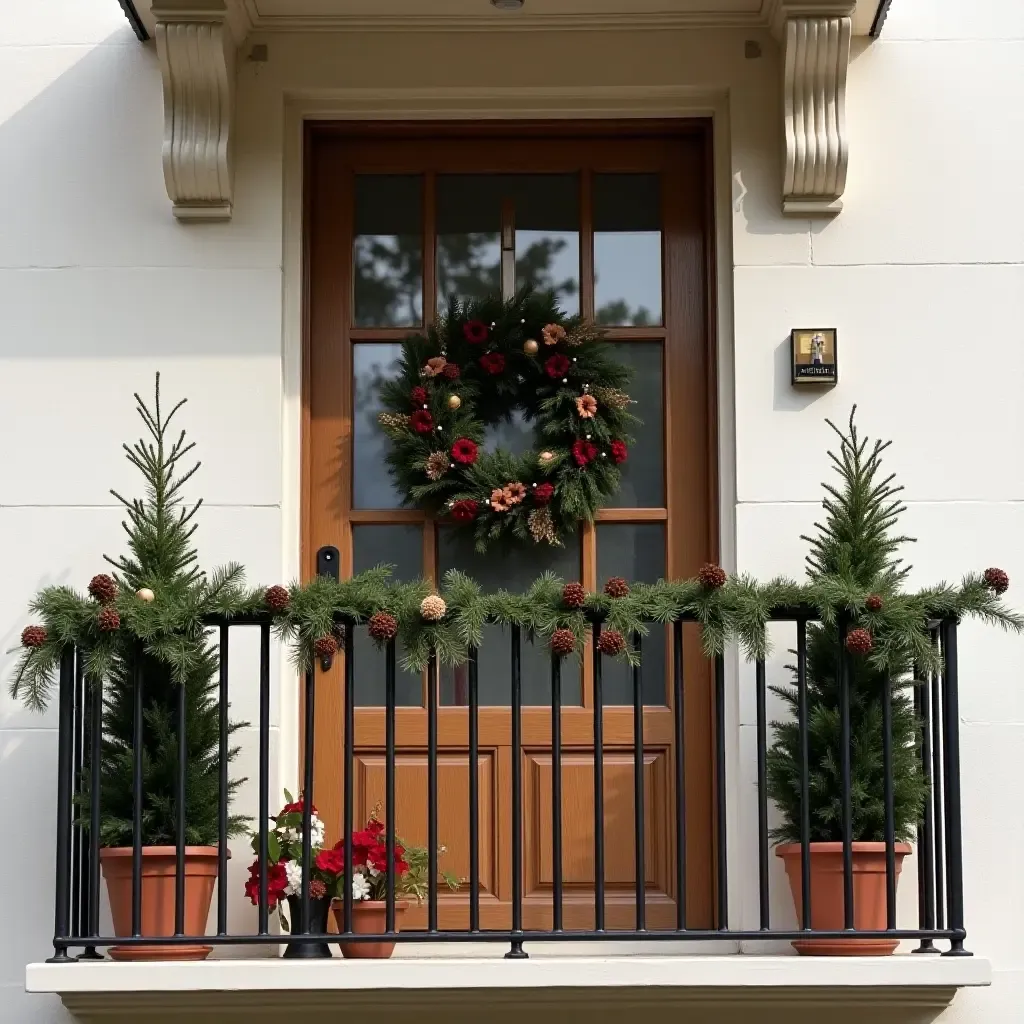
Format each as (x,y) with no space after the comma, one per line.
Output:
(433,608)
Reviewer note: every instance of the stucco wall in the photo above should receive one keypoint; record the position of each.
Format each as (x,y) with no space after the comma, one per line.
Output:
(923,273)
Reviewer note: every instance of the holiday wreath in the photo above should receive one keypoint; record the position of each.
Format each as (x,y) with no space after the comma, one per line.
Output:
(479,363)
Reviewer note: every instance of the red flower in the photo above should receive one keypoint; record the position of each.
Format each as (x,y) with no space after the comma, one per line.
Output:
(422,422)
(557,365)
(331,862)
(296,808)
(619,451)
(493,362)
(465,511)
(475,332)
(543,493)
(277,882)
(464,451)
(451,371)
(583,452)
(418,396)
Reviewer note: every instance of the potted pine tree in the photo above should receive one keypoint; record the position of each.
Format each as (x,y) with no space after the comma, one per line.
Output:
(854,567)
(146,618)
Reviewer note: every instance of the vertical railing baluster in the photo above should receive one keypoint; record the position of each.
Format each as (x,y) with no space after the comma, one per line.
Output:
(79,891)
(639,850)
(516,952)
(223,755)
(721,805)
(264,782)
(926,845)
(179,824)
(474,791)
(954,829)
(805,795)
(307,792)
(556,792)
(389,779)
(762,795)
(598,785)
(65,753)
(939,817)
(348,770)
(95,766)
(137,795)
(432,837)
(845,781)
(678,699)
(890,811)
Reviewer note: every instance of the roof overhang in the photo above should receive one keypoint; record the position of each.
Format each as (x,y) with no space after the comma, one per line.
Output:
(197,41)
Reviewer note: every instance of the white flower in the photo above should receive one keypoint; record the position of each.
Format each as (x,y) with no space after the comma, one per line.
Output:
(293,872)
(360,887)
(291,835)
(373,871)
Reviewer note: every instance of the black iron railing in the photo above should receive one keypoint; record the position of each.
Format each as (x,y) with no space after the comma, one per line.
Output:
(939,851)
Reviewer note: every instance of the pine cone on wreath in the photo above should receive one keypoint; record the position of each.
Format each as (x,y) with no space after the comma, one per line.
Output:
(33,636)
(563,642)
(108,620)
(573,595)
(711,577)
(103,588)
(325,646)
(277,598)
(611,642)
(997,581)
(616,587)
(873,603)
(383,627)
(858,641)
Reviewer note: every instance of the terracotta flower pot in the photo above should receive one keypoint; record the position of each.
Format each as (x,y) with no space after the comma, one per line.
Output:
(827,906)
(369,917)
(158,874)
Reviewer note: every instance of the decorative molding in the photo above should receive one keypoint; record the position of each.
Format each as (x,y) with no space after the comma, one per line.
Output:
(196,50)
(816,57)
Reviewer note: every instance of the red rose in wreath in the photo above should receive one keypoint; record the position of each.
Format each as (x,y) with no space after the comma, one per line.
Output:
(465,451)
(557,365)
(418,396)
(583,452)
(451,371)
(465,511)
(543,493)
(493,362)
(475,332)
(422,422)
(619,452)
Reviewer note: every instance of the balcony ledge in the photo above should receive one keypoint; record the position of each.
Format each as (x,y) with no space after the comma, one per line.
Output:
(723,989)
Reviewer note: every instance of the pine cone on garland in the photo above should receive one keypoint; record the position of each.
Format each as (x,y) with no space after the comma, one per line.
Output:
(573,595)
(873,603)
(433,608)
(858,641)
(277,598)
(611,642)
(997,581)
(325,646)
(712,577)
(616,587)
(108,620)
(317,889)
(103,588)
(563,642)
(33,636)
(383,627)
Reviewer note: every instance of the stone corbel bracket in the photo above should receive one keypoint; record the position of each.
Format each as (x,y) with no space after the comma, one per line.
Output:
(815,38)
(196,49)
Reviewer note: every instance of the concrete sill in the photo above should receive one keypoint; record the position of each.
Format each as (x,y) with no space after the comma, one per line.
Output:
(723,989)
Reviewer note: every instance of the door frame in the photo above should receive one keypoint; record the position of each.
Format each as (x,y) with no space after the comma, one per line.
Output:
(717,329)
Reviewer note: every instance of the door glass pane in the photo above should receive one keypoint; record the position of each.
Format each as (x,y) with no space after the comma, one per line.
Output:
(468,236)
(502,571)
(388,250)
(547,219)
(627,249)
(400,546)
(372,362)
(635,551)
(643,473)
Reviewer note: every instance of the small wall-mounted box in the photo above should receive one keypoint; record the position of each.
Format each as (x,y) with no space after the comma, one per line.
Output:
(814,354)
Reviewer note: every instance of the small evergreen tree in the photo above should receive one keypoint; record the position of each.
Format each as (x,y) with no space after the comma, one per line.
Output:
(854,552)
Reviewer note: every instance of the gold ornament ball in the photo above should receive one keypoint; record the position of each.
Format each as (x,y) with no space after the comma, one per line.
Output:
(454,402)
(530,347)
(145,594)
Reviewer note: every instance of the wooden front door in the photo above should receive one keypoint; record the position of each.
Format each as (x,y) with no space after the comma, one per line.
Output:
(616,220)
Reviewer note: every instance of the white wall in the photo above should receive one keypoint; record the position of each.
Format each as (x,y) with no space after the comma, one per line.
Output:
(923,274)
